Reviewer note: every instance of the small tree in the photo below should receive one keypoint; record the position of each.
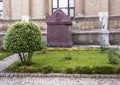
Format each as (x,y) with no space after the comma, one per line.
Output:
(23,38)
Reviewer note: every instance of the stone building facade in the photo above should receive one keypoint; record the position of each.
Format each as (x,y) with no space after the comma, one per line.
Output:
(39,9)
(85,15)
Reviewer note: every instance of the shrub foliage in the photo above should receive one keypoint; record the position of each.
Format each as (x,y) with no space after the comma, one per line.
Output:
(113,57)
(47,69)
(23,38)
(103,46)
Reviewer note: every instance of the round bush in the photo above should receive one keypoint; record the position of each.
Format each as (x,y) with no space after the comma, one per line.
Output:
(23,37)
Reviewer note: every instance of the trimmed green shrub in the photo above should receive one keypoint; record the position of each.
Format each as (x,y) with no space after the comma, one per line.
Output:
(86,70)
(57,71)
(118,70)
(23,38)
(103,69)
(113,60)
(47,69)
(97,70)
(113,57)
(78,70)
(69,70)
(83,70)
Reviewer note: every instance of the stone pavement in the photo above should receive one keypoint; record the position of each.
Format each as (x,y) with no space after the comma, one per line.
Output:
(56,81)
(8,61)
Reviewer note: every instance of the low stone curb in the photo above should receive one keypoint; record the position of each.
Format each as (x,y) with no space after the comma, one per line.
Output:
(111,76)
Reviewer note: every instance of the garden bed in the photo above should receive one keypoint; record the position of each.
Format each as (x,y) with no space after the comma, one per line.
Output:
(69,61)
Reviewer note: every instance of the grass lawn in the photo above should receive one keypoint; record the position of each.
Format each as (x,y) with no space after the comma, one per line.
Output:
(56,59)
(4,54)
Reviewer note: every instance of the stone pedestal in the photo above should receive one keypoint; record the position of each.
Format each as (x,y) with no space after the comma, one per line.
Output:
(105,36)
(58,30)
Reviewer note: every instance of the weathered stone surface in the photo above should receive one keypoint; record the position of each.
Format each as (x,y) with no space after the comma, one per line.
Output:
(58,29)
(8,61)
(56,81)
(13,9)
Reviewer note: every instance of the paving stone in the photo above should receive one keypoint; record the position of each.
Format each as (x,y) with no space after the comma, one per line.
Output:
(8,61)
(56,81)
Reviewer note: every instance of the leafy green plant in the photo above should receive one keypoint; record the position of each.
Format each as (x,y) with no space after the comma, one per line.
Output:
(86,70)
(44,48)
(103,69)
(117,70)
(68,56)
(78,70)
(83,70)
(69,70)
(47,69)
(113,57)
(23,38)
(103,46)
(57,71)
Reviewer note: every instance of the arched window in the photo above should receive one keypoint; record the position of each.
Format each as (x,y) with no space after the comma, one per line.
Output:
(66,5)
(1,9)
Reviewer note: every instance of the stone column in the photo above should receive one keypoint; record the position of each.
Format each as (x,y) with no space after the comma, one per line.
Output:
(16,9)
(37,9)
(25,7)
(79,8)
(49,7)
(30,9)
(104,5)
(7,9)
(46,7)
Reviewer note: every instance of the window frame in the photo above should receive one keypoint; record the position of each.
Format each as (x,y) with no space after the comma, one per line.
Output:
(68,8)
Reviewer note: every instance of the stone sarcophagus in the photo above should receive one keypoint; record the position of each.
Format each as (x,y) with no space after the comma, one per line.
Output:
(59,29)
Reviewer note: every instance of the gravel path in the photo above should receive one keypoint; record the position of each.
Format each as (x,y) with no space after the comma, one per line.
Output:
(8,61)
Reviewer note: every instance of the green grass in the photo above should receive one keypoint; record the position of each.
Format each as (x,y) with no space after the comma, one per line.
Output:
(4,54)
(56,59)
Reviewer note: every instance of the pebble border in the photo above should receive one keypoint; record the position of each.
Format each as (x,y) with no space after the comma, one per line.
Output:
(111,76)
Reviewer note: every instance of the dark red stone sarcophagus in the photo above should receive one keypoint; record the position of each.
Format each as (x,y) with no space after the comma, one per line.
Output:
(59,29)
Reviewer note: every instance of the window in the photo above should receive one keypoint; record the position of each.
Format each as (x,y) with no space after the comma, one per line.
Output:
(1,9)
(66,5)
